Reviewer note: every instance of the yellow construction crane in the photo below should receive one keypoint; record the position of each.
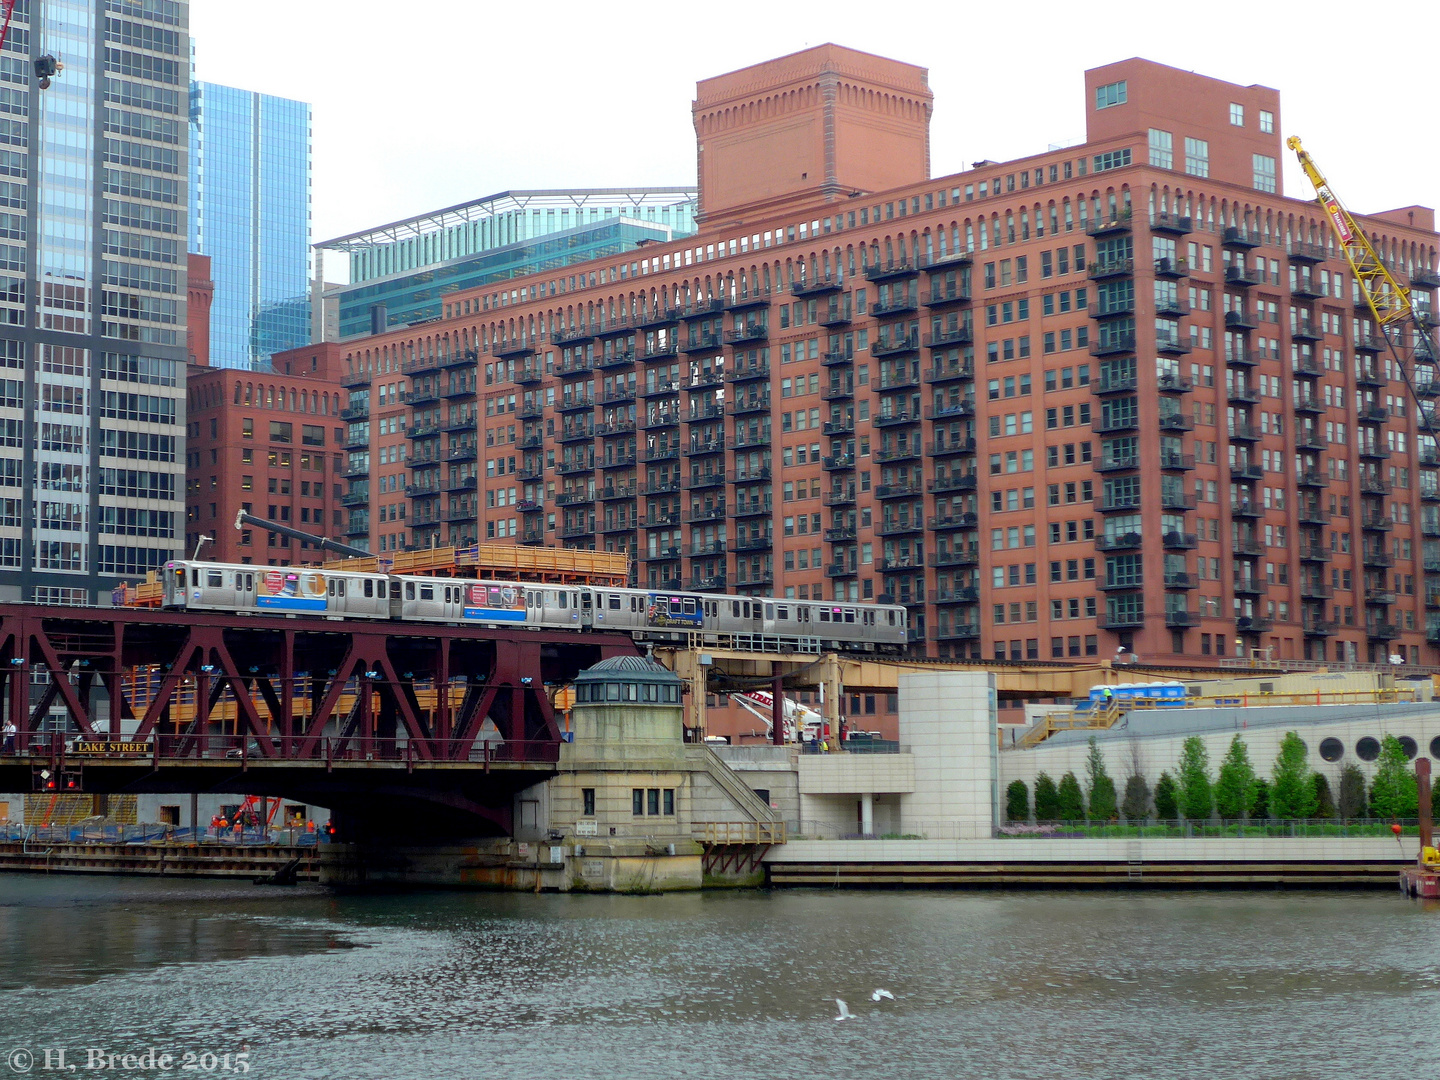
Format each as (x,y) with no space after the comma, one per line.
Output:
(1388,300)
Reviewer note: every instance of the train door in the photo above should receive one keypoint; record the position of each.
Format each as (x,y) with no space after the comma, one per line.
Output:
(587,608)
(245,588)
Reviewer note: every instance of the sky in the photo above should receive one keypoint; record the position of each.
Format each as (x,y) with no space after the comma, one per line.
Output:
(427,103)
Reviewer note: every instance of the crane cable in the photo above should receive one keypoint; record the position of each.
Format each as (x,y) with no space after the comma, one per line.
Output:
(1388,300)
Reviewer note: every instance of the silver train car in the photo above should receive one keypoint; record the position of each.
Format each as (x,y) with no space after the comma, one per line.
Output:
(645,614)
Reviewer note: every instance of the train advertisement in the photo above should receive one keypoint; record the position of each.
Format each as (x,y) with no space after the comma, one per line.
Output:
(290,590)
(677,611)
(495,603)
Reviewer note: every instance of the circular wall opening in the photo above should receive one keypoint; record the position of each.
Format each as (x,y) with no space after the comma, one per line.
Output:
(1368,748)
(1435,747)
(1408,745)
(1332,749)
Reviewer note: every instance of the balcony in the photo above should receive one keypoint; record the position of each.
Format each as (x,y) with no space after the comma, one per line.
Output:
(354,380)
(1172,346)
(1171,224)
(706,342)
(839,498)
(1305,288)
(1382,631)
(818,285)
(1178,541)
(706,513)
(655,520)
(954,411)
(1111,226)
(1132,584)
(698,447)
(1372,451)
(574,467)
(582,433)
(1250,548)
(966,481)
(1176,421)
(619,461)
(960,631)
(1240,431)
(574,404)
(891,270)
(459,422)
(1240,320)
(843,535)
(616,360)
(900,562)
(1237,237)
(1425,279)
(461,483)
(1247,508)
(1370,343)
(754,543)
(1121,620)
(1112,309)
(1374,414)
(839,570)
(1172,306)
(964,594)
(1109,424)
(661,350)
(422,491)
(892,419)
(964,556)
(616,427)
(355,498)
(897,491)
(356,471)
(422,431)
(1308,253)
(1113,345)
(967,520)
(954,372)
(948,297)
(1246,470)
(1249,624)
(1118,504)
(512,347)
(838,462)
(752,508)
(1314,553)
(896,305)
(1315,590)
(842,391)
(1376,523)
(1110,268)
(1377,559)
(1176,500)
(1379,597)
(705,480)
(950,447)
(946,337)
(1114,383)
(1180,580)
(1242,278)
(662,453)
(1179,618)
(1318,627)
(900,527)
(1172,268)
(835,315)
(895,346)
(1126,541)
(750,371)
(844,425)
(756,331)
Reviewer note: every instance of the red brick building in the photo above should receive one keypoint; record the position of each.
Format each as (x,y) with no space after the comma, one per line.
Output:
(1114,396)
(268,443)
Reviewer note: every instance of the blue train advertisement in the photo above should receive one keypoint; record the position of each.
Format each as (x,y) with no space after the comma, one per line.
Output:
(495,603)
(290,590)
(681,612)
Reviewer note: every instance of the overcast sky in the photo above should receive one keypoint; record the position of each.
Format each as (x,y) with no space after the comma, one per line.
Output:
(424,103)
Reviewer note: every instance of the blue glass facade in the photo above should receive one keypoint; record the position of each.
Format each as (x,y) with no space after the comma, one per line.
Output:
(420,295)
(250,212)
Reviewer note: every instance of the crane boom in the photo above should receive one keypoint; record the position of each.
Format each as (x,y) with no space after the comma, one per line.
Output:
(1389,300)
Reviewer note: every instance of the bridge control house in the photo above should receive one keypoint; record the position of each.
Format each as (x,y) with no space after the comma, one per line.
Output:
(1115,395)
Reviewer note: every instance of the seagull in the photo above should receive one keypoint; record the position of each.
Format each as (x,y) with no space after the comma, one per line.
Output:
(845,1013)
(878,994)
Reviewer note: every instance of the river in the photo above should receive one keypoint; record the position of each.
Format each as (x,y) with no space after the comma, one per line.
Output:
(1028,985)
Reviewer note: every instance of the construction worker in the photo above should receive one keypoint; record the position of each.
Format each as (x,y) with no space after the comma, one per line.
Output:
(1108,695)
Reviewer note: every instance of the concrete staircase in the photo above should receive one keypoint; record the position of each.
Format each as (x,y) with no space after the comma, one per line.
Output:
(736,789)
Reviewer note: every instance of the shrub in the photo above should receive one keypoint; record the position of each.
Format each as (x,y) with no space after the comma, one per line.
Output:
(1260,808)
(1072,805)
(1167,805)
(1352,792)
(1047,799)
(1324,801)
(1017,801)
(1102,788)
(1235,787)
(1197,799)
(1292,794)
(1394,793)
(1136,806)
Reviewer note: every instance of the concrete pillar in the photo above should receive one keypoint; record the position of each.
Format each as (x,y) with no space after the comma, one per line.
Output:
(833,691)
(777,711)
(867,814)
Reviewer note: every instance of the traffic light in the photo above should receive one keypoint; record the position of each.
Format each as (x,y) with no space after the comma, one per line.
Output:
(42,779)
(71,780)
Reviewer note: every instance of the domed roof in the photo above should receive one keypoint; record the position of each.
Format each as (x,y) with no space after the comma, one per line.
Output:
(628,669)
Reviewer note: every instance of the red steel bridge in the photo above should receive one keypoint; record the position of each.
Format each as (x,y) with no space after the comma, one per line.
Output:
(380,721)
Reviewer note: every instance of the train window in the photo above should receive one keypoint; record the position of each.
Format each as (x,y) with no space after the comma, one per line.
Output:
(891,615)
(770,611)
(614,601)
(689,605)
(735,608)
(782,613)
(194,577)
(380,588)
(634,603)
(824,614)
(564,599)
(330,587)
(427,591)
(214,579)
(409,590)
(849,615)
(369,587)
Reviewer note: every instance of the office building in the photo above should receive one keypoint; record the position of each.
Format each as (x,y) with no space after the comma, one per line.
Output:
(402,272)
(1118,397)
(250,212)
(94,296)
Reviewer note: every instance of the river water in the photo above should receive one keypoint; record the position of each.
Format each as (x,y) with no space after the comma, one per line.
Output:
(437,985)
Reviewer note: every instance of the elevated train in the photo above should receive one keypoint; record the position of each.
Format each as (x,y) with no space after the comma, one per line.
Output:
(646,614)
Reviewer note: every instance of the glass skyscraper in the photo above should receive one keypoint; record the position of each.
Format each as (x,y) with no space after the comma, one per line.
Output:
(250,212)
(92,295)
